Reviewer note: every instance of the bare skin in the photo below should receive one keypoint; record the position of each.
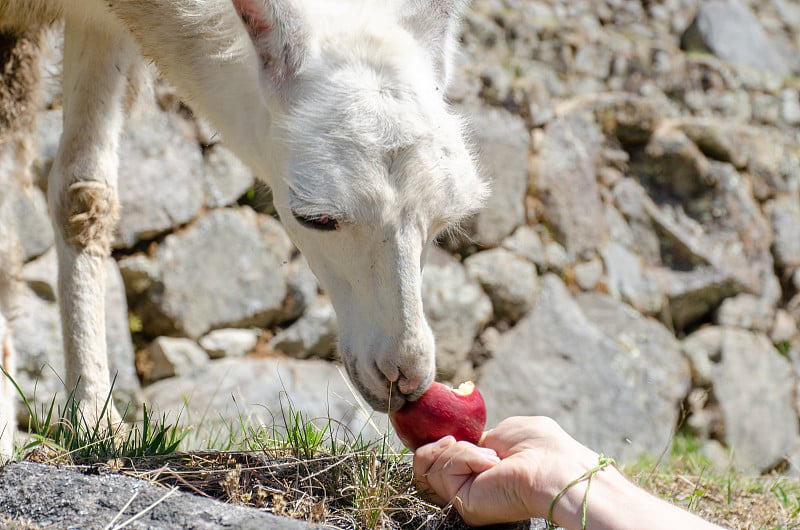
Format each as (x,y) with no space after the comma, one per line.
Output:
(519,467)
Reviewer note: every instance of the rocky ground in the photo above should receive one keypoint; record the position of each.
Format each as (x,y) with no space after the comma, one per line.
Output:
(636,270)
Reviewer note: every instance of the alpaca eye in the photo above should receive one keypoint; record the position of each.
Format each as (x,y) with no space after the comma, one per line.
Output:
(322,222)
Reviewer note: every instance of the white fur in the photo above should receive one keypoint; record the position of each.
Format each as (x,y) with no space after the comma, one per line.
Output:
(339,106)
(9,270)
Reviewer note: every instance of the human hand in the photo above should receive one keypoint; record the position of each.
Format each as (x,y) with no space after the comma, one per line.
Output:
(519,468)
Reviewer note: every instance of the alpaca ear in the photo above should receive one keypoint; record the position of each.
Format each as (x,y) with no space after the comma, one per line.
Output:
(280,34)
(434,24)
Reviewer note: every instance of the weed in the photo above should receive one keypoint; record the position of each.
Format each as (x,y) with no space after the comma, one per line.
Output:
(68,431)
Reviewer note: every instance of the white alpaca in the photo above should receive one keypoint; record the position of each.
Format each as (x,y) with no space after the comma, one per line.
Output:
(338,105)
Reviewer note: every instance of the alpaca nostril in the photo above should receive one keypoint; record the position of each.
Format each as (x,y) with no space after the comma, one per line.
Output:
(408,385)
(389,369)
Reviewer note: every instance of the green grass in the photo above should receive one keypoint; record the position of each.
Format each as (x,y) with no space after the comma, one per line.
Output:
(301,467)
(67,431)
(689,478)
(316,469)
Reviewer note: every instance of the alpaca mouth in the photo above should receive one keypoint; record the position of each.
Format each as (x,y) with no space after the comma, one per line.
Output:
(390,398)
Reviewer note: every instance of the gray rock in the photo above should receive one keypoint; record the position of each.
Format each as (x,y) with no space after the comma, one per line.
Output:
(34,229)
(556,257)
(701,347)
(40,351)
(693,295)
(746,311)
(717,139)
(302,287)
(56,497)
(772,162)
(139,273)
(628,280)
(637,232)
(456,308)
(262,391)
(784,328)
(631,118)
(588,274)
(790,106)
(673,161)
(754,387)
(525,241)
(313,334)
(160,177)
(722,228)
(230,264)
(612,378)
(231,342)
(173,356)
(119,344)
(730,31)
(502,140)
(41,275)
(225,177)
(509,280)
(565,162)
(618,229)
(784,216)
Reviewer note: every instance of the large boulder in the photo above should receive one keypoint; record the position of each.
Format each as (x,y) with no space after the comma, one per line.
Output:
(729,30)
(157,148)
(509,279)
(457,310)
(502,140)
(611,377)
(229,264)
(35,495)
(565,163)
(753,387)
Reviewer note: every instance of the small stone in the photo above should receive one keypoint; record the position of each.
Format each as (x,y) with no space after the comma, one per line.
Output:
(556,257)
(784,328)
(232,342)
(139,273)
(313,335)
(525,241)
(509,280)
(746,311)
(174,356)
(588,274)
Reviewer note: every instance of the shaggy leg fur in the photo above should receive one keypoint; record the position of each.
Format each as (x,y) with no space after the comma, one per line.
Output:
(19,99)
(83,201)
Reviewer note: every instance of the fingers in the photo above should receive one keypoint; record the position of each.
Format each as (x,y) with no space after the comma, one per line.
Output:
(512,434)
(424,458)
(444,468)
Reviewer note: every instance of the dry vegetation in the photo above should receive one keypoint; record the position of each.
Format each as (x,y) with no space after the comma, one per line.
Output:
(371,487)
(318,471)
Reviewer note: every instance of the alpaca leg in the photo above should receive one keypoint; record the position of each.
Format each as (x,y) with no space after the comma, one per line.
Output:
(10,263)
(83,202)
(19,98)
(8,270)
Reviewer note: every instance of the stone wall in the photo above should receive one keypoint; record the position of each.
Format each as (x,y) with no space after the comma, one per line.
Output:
(637,267)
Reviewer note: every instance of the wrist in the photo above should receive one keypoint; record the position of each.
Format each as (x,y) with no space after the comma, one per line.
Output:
(587,494)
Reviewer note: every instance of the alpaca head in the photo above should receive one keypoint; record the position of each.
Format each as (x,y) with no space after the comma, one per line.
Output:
(369,165)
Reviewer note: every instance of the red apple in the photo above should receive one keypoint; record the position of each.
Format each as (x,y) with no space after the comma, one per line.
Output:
(441,411)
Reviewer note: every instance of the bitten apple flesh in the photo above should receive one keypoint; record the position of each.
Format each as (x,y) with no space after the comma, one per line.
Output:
(441,411)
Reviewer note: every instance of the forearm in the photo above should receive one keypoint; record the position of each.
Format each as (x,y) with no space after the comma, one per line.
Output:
(614,503)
